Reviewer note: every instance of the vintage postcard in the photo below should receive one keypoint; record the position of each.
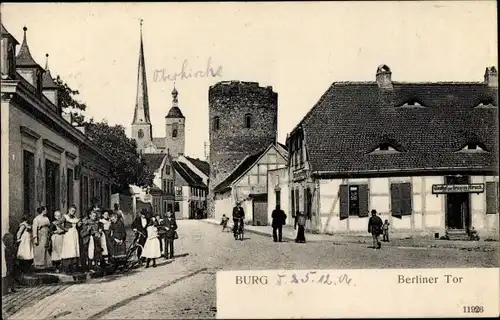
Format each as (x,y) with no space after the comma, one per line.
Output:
(249,160)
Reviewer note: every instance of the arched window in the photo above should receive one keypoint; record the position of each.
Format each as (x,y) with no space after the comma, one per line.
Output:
(248,120)
(140,134)
(216,123)
(174,133)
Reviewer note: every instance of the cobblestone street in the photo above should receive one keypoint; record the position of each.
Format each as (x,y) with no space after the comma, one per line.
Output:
(185,287)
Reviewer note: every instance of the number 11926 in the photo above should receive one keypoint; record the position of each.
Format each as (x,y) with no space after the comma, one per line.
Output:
(473,309)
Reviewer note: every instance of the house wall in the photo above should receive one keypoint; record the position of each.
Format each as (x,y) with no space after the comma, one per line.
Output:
(277,179)
(224,204)
(428,215)
(255,181)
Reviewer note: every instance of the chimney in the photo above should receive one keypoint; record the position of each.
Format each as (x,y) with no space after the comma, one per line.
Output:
(491,77)
(384,77)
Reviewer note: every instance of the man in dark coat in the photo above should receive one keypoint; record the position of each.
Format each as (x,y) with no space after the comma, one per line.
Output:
(375,228)
(139,225)
(238,216)
(279,218)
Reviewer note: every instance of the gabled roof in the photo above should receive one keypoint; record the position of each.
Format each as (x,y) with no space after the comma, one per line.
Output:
(188,175)
(175,112)
(153,160)
(203,166)
(246,164)
(352,117)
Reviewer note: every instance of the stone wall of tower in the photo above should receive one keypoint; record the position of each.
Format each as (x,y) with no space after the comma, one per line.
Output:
(147,132)
(232,142)
(175,145)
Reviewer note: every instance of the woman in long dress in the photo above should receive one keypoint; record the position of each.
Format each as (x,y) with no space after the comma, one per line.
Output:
(106,234)
(25,249)
(152,246)
(41,237)
(70,252)
(57,238)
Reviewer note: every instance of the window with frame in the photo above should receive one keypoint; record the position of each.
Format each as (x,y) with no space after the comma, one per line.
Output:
(167,169)
(292,201)
(164,183)
(29,182)
(278,197)
(353,200)
(248,120)
(216,123)
(492,193)
(176,207)
(69,178)
(178,191)
(401,199)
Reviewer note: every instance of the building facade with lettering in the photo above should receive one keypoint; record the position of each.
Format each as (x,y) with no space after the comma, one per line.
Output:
(247,184)
(45,159)
(424,155)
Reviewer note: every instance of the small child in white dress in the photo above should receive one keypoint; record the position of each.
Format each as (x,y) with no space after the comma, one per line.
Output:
(152,246)
(25,250)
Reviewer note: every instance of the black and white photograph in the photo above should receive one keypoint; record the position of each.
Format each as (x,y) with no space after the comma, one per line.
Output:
(244,160)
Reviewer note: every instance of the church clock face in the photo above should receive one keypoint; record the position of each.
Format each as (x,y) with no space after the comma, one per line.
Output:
(140,134)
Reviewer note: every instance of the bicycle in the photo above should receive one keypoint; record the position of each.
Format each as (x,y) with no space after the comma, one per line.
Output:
(240,232)
(131,258)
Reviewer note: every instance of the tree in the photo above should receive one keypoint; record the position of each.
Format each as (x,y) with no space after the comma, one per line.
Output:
(127,167)
(68,103)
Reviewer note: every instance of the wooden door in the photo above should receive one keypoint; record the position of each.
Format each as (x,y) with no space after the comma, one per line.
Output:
(259,212)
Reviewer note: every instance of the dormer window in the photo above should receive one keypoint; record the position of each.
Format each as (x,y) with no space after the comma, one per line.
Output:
(385,148)
(486,103)
(473,147)
(413,103)
(248,121)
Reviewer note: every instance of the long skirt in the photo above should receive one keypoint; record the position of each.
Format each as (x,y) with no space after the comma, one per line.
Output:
(71,245)
(301,237)
(104,245)
(4,262)
(25,249)
(152,249)
(57,246)
(119,249)
(109,243)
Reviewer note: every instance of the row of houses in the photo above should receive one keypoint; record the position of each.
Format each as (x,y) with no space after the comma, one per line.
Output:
(424,155)
(45,159)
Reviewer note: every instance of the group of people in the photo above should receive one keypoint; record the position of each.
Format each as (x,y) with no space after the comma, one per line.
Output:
(156,235)
(375,225)
(69,243)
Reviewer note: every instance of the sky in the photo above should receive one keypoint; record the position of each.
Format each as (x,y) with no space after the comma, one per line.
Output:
(299,48)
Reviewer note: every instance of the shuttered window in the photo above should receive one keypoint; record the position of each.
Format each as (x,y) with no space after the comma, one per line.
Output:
(354,200)
(293,202)
(297,201)
(492,197)
(401,199)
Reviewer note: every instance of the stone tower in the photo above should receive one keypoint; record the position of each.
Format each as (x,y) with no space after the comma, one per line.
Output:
(243,121)
(175,128)
(142,131)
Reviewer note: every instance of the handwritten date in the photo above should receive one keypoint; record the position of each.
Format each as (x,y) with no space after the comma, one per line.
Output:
(315,277)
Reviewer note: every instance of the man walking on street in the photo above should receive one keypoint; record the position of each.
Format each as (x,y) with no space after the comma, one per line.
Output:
(279,218)
(238,214)
(375,228)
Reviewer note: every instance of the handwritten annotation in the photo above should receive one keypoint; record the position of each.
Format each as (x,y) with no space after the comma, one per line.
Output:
(186,73)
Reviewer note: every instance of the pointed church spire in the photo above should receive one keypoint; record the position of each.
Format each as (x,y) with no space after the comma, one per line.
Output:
(141,113)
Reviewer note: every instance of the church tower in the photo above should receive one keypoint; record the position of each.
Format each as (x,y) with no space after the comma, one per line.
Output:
(142,131)
(175,128)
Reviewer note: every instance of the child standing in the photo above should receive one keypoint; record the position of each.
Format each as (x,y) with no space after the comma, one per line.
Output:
(106,235)
(152,246)
(25,250)
(223,222)
(385,229)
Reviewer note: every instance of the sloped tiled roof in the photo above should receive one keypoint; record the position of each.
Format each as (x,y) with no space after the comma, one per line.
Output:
(153,160)
(48,82)
(351,118)
(203,166)
(246,164)
(188,175)
(4,32)
(159,142)
(175,112)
